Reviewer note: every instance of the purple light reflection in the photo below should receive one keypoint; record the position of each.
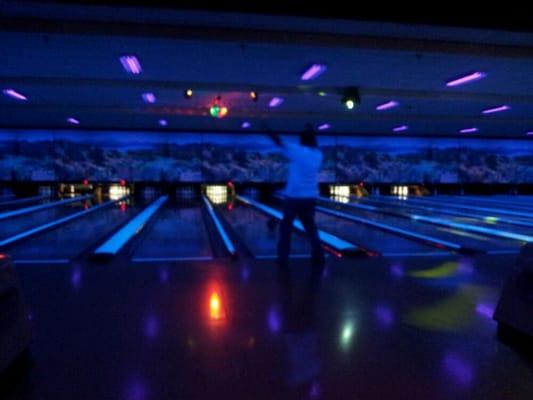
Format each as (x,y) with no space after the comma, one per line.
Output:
(459,369)
(75,278)
(245,274)
(397,270)
(163,276)
(468,130)
(151,326)
(136,390)
(485,310)
(274,319)
(314,391)
(384,316)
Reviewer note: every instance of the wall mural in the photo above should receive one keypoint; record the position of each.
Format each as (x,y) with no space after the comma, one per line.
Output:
(40,155)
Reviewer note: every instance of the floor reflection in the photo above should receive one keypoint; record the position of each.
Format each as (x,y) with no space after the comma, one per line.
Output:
(299,329)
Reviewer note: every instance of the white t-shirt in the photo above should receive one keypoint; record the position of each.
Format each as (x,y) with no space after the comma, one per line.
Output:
(304,164)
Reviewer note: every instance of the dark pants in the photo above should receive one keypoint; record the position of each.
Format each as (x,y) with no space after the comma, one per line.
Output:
(304,210)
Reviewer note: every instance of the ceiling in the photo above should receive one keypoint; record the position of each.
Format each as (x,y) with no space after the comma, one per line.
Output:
(65,60)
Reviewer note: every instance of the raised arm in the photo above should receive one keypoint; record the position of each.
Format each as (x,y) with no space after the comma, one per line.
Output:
(273,136)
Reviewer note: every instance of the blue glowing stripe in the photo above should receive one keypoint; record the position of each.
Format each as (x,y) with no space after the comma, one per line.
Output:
(53,224)
(391,228)
(221,231)
(474,228)
(327,238)
(167,259)
(22,201)
(440,210)
(28,210)
(273,256)
(417,254)
(43,261)
(467,207)
(360,206)
(503,252)
(113,245)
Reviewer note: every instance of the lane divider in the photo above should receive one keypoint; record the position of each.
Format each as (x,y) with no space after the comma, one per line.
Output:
(486,219)
(24,200)
(53,224)
(467,207)
(409,234)
(220,229)
(28,210)
(474,228)
(331,241)
(115,243)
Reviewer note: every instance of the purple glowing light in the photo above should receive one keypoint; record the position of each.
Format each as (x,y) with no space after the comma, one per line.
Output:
(14,94)
(148,98)
(323,127)
(246,125)
(474,76)
(163,122)
(529,133)
(485,310)
(459,369)
(274,320)
(468,130)
(275,101)
(496,109)
(397,270)
(245,273)
(73,121)
(75,278)
(400,128)
(384,316)
(131,64)
(151,326)
(387,105)
(313,72)
(163,276)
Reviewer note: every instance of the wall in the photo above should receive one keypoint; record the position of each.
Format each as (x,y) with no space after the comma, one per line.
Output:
(148,156)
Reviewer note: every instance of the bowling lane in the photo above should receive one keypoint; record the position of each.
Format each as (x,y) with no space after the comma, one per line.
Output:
(12,226)
(179,232)
(467,239)
(15,204)
(373,239)
(500,211)
(69,240)
(509,204)
(478,218)
(251,227)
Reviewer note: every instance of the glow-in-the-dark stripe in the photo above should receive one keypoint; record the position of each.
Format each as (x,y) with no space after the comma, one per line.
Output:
(390,228)
(113,245)
(53,224)
(327,238)
(28,210)
(221,231)
(474,228)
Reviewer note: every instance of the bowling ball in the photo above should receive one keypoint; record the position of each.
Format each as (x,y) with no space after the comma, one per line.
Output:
(272,223)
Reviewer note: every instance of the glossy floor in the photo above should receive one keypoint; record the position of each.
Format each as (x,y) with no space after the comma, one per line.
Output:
(417,328)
